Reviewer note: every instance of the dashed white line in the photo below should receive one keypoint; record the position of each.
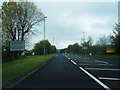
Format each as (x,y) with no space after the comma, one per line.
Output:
(94,78)
(103,69)
(68,58)
(106,78)
(73,62)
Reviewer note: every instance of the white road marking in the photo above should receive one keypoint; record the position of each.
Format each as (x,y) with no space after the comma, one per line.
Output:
(68,58)
(97,60)
(73,62)
(109,78)
(104,64)
(94,78)
(83,64)
(102,61)
(103,69)
(96,64)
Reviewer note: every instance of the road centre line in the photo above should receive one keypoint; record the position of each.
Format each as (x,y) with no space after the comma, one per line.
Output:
(103,69)
(94,78)
(98,81)
(73,62)
(105,78)
(70,60)
(67,57)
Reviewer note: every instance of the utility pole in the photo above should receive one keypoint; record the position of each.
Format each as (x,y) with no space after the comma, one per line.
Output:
(84,37)
(44,34)
(84,45)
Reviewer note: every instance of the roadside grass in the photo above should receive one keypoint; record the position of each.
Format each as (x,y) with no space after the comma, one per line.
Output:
(12,71)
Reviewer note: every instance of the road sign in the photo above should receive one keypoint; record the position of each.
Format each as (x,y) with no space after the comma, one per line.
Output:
(17,45)
(110,50)
(84,48)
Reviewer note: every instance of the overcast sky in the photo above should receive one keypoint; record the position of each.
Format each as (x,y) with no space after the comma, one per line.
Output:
(66,21)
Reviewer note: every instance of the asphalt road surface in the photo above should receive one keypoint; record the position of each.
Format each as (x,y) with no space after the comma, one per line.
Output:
(73,71)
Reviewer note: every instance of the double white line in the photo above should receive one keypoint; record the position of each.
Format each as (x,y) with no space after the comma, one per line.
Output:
(90,75)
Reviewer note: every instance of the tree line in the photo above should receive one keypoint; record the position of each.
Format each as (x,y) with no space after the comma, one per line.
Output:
(38,48)
(105,44)
(18,20)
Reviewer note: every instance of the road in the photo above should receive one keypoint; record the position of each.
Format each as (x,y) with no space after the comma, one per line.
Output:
(73,71)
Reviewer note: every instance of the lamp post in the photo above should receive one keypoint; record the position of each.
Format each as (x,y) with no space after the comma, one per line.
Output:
(84,46)
(44,34)
(84,36)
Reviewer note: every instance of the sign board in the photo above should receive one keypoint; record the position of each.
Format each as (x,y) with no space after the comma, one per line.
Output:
(84,48)
(17,45)
(110,50)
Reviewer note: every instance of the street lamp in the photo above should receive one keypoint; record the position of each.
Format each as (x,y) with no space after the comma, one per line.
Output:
(44,33)
(84,44)
(84,36)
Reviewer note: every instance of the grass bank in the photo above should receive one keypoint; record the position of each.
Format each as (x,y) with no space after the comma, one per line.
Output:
(12,71)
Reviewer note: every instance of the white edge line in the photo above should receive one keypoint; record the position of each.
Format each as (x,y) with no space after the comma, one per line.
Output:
(98,81)
(109,78)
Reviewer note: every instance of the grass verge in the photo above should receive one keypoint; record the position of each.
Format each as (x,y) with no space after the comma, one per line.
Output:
(12,71)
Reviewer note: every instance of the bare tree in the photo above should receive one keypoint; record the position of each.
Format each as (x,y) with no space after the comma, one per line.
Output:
(18,18)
